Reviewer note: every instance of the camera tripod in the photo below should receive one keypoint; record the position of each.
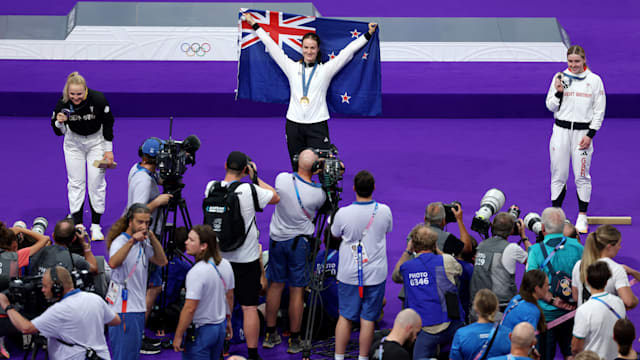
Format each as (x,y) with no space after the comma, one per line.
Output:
(37,343)
(177,204)
(317,278)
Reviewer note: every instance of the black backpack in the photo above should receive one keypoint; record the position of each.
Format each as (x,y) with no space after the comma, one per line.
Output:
(222,211)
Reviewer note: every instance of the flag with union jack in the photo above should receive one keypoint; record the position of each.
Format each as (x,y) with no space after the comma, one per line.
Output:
(356,89)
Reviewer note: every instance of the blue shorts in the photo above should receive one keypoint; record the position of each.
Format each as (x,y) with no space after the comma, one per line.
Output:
(126,344)
(155,276)
(353,308)
(287,265)
(209,343)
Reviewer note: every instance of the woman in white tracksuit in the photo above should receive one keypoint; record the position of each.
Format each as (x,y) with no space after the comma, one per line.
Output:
(577,99)
(309,80)
(84,117)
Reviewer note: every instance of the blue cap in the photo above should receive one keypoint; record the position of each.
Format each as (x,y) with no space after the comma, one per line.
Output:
(151,146)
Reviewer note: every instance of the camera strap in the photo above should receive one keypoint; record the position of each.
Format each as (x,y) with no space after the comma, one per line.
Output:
(89,354)
(360,260)
(547,260)
(484,352)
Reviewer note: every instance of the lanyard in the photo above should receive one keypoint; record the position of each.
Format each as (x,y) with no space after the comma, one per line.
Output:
(224,283)
(493,333)
(364,233)
(559,246)
(306,213)
(305,84)
(609,306)
(125,291)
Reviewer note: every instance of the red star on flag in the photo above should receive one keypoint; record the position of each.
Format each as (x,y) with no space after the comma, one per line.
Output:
(332,55)
(364,56)
(345,98)
(354,33)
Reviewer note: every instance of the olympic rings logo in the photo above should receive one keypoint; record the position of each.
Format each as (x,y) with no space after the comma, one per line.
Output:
(194,49)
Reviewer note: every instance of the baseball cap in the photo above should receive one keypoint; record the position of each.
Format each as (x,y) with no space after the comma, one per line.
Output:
(237,161)
(151,146)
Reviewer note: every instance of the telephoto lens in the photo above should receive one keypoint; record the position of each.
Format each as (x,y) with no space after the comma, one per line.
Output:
(40,225)
(533,222)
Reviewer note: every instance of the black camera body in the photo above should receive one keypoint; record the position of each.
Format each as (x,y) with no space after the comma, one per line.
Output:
(173,159)
(26,294)
(449,216)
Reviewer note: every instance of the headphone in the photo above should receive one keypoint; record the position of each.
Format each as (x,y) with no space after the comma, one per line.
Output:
(57,289)
(133,208)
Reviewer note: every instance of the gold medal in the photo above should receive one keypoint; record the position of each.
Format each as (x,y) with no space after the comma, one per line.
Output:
(304,100)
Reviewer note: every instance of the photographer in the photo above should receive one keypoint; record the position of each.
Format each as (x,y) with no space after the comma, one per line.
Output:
(560,253)
(435,216)
(64,234)
(245,258)
(290,232)
(495,266)
(209,298)
(433,296)
(143,183)
(131,247)
(11,260)
(84,117)
(362,271)
(74,325)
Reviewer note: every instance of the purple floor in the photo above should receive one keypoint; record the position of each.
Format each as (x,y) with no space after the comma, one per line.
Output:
(415,161)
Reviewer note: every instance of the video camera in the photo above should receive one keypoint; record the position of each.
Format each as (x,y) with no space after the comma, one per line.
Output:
(330,166)
(175,155)
(26,292)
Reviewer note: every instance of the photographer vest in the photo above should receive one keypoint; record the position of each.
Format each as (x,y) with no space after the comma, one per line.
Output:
(428,291)
(489,273)
(8,267)
(56,255)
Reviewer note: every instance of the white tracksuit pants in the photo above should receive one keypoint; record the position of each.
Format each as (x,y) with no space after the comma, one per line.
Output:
(79,154)
(562,148)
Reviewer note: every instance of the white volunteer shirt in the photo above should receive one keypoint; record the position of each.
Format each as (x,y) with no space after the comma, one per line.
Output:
(594,323)
(513,253)
(349,223)
(618,279)
(204,284)
(289,220)
(78,318)
(316,110)
(584,100)
(143,188)
(249,251)
(140,253)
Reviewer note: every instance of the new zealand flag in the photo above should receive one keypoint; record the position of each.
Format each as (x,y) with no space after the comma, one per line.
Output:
(356,89)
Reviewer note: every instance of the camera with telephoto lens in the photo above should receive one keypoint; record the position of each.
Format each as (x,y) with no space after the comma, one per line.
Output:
(449,216)
(40,225)
(514,211)
(533,222)
(491,203)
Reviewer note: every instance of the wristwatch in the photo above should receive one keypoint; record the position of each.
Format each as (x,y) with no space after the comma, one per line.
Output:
(9,307)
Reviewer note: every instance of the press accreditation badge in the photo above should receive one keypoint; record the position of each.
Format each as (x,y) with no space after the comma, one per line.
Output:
(354,251)
(113,293)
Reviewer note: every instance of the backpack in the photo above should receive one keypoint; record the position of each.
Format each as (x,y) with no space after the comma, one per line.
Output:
(222,211)
(560,284)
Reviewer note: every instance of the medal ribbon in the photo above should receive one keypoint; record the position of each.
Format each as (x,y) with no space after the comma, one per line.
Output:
(305,84)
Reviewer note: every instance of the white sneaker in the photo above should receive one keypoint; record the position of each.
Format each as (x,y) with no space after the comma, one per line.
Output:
(582,225)
(96,232)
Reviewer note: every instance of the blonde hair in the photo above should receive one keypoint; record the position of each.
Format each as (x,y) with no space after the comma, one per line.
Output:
(76,79)
(485,303)
(596,242)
